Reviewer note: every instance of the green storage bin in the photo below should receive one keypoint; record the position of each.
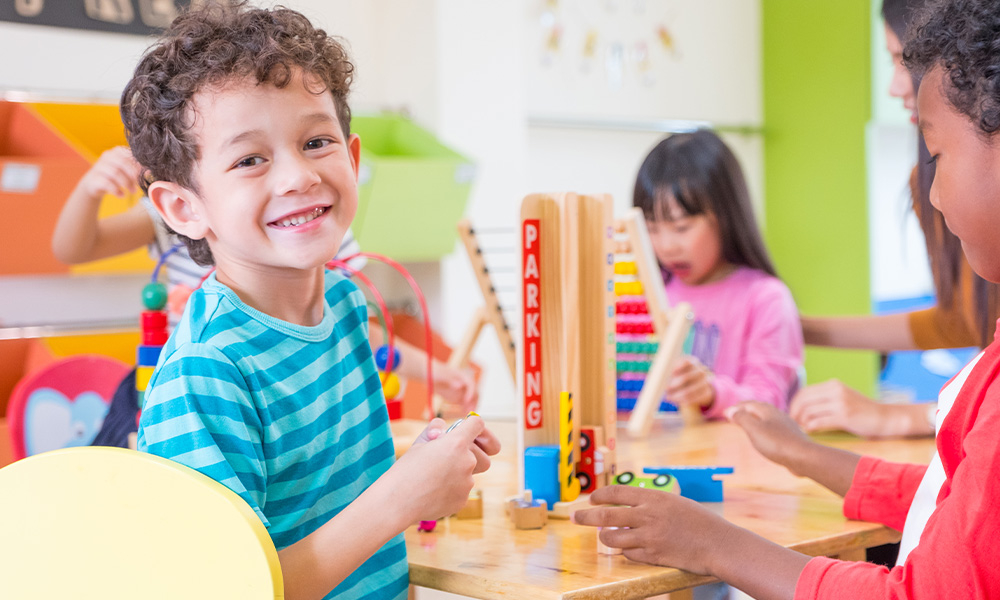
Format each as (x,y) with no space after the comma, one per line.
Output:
(412,190)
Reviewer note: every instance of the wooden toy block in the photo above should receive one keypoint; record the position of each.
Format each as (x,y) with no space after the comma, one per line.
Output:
(142,377)
(541,473)
(156,337)
(473,509)
(528,514)
(153,320)
(565,510)
(569,485)
(147,356)
(395,409)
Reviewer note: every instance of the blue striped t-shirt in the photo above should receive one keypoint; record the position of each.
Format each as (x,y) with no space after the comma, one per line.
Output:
(291,418)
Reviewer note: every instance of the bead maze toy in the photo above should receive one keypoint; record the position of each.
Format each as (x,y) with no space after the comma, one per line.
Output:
(650,333)
(567,354)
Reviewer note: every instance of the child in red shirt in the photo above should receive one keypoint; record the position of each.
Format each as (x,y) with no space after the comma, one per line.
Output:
(948,510)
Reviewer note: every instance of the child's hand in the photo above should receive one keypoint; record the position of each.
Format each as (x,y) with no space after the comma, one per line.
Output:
(772,432)
(833,405)
(457,387)
(115,173)
(434,477)
(691,383)
(656,527)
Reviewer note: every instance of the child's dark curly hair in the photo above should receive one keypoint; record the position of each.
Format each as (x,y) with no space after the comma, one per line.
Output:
(212,46)
(963,38)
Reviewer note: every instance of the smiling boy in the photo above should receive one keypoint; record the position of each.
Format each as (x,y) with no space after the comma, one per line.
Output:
(240,120)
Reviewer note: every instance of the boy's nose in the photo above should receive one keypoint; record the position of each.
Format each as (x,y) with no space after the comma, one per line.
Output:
(295,174)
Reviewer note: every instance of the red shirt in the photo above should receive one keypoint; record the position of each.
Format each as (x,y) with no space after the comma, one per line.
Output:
(958,555)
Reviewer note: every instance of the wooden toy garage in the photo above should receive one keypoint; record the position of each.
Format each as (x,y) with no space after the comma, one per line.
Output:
(568,380)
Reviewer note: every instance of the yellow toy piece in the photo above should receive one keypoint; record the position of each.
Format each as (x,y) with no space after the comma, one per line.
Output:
(142,377)
(569,485)
(111,523)
(390,385)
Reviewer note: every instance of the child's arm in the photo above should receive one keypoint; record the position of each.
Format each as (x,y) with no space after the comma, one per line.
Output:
(431,481)
(669,530)
(831,405)
(80,236)
(885,333)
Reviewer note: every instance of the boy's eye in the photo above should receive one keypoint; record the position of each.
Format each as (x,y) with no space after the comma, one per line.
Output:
(250,161)
(318,143)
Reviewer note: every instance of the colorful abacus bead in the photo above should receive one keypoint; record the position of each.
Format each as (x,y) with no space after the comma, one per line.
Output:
(154,296)
(382,358)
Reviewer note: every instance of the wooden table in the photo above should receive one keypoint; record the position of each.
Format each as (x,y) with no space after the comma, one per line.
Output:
(488,558)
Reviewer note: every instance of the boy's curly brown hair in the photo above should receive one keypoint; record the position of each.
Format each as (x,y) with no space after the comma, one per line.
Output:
(211,46)
(963,38)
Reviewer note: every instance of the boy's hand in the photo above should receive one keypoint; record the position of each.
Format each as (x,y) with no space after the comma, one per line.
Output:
(434,477)
(457,387)
(691,383)
(772,432)
(656,527)
(115,173)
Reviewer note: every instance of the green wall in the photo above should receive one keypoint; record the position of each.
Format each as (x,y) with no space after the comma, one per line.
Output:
(817,102)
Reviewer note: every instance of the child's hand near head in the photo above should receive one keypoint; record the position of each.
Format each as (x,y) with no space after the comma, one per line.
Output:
(80,234)
(115,173)
(433,479)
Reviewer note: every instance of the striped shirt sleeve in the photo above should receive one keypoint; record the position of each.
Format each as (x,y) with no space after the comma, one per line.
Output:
(199,412)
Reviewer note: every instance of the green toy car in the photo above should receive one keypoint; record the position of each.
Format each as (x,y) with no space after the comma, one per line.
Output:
(663,482)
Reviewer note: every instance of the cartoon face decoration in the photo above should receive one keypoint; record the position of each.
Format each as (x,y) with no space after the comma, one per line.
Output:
(63,404)
(52,420)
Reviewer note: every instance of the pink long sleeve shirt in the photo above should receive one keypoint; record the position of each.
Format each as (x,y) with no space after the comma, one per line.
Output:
(949,511)
(747,332)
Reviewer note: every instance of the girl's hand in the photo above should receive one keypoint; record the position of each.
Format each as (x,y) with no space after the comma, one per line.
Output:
(691,383)
(656,527)
(772,432)
(434,478)
(115,173)
(457,387)
(832,405)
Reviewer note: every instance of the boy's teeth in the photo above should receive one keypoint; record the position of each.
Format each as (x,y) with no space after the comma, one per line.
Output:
(300,219)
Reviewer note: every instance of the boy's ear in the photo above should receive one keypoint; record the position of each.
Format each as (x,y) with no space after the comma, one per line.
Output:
(354,147)
(179,208)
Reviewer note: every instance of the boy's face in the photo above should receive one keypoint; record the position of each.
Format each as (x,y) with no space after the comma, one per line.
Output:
(277,177)
(966,186)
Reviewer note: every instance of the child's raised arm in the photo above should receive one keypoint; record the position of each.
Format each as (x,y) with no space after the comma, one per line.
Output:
(80,235)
